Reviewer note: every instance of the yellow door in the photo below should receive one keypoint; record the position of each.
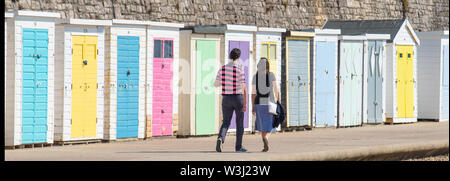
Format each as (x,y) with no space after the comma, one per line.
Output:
(409,77)
(84,86)
(405,82)
(268,50)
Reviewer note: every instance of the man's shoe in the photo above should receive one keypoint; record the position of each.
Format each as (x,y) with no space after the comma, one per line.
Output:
(219,145)
(242,150)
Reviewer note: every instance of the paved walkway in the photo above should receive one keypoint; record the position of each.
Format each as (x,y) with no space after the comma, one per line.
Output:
(319,144)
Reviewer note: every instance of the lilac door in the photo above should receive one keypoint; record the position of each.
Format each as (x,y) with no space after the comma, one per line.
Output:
(244,46)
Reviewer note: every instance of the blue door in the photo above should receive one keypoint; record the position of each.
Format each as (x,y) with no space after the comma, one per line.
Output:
(34,85)
(374,82)
(298,82)
(325,83)
(445,82)
(127,86)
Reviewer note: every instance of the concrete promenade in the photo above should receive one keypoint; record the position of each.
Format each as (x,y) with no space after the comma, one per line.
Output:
(370,142)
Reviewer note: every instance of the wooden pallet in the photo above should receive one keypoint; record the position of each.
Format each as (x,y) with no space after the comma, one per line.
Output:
(33,145)
(81,142)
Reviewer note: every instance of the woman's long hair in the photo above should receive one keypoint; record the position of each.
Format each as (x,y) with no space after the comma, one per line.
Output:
(263,68)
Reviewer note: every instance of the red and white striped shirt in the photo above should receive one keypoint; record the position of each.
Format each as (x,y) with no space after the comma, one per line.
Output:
(232,77)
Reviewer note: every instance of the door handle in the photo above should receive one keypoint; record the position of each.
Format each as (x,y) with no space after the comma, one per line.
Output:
(326,71)
(128,72)
(162,66)
(299,78)
(38,84)
(85,62)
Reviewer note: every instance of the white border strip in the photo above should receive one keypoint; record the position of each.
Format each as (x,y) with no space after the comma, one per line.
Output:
(349,37)
(92,22)
(9,14)
(266,29)
(327,31)
(37,14)
(378,36)
(241,28)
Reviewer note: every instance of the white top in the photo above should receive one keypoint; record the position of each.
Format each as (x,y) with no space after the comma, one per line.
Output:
(92,22)
(352,37)
(9,14)
(266,29)
(378,36)
(327,31)
(37,14)
(165,24)
(241,28)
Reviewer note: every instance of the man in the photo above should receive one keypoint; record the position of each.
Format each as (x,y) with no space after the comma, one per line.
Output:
(234,91)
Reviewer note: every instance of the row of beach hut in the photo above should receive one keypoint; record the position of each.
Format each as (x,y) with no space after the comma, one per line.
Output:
(76,79)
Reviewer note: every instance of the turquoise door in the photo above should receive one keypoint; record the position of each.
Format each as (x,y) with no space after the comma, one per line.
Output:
(351,76)
(298,83)
(127,86)
(325,83)
(34,85)
(374,82)
(445,81)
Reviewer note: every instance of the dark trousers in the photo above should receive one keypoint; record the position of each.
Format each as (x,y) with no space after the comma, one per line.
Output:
(230,104)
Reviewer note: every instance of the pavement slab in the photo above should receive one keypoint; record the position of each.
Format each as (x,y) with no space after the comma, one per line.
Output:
(317,144)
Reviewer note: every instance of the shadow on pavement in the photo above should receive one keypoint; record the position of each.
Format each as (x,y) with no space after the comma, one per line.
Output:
(176,152)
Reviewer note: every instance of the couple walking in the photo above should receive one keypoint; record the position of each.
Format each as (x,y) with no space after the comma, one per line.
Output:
(234,92)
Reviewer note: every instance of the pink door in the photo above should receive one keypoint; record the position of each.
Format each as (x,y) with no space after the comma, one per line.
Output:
(162,87)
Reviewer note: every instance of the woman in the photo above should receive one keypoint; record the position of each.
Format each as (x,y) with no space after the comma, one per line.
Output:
(263,84)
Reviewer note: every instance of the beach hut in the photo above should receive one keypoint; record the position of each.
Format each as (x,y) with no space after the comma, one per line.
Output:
(351,57)
(125,58)
(401,63)
(199,99)
(268,45)
(29,81)
(79,77)
(296,79)
(325,73)
(163,47)
(8,20)
(374,95)
(432,76)
(237,36)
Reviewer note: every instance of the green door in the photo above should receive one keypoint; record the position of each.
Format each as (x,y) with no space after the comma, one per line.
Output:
(204,82)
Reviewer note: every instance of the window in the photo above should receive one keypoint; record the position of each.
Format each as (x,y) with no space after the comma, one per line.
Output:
(158,49)
(168,47)
(265,51)
(272,52)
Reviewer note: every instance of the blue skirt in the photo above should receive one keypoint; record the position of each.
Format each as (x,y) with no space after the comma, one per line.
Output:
(264,120)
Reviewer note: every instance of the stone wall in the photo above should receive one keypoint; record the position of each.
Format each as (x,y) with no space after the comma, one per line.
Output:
(425,15)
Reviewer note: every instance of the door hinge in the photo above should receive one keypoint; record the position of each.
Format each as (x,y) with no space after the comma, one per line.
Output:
(97,85)
(71,85)
(96,120)
(72,51)
(97,51)
(70,121)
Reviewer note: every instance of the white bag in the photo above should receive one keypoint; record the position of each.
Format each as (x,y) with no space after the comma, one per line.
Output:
(272,106)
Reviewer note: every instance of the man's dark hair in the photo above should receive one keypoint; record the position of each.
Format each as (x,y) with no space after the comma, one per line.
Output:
(235,54)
